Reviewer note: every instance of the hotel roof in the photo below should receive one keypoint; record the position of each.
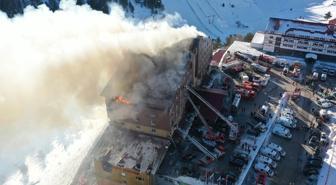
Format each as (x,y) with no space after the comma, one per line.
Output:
(301,28)
(134,151)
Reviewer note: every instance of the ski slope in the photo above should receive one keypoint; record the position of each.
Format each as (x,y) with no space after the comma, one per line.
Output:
(216,20)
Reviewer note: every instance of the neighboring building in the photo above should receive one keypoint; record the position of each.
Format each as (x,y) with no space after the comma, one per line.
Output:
(301,37)
(160,117)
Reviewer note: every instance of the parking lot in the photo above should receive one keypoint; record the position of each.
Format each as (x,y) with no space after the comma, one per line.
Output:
(290,168)
(268,128)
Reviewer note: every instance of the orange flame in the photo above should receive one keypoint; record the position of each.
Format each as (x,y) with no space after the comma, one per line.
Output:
(122,100)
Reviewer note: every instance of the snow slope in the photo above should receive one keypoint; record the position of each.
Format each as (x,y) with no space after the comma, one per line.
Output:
(216,20)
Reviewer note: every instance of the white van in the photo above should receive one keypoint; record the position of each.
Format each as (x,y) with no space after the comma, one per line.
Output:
(268,152)
(287,121)
(278,148)
(282,131)
(267,160)
(262,167)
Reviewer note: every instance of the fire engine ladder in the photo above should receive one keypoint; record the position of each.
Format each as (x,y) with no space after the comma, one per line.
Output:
(198,145)
(198,113)
(210,106)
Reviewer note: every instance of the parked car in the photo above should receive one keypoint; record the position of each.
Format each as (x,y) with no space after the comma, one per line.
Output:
(312,180)
(268,152)
(189,157)
(287,121)
(289,116)
(260,127)
(267,160)
(253,132)
(242,156)
(229,179)
(308,171)
(314,142)
(315,157)
(288,111)
(282,131)
(324,103)
(264,168)
(324,139)
(237,162)
(323,76)
(313,163)
(278,148)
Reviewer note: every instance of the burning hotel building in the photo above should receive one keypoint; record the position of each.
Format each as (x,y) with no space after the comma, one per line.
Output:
(142,140)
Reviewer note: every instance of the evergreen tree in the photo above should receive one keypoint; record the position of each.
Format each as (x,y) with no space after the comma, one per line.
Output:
(328,15)
(248,37)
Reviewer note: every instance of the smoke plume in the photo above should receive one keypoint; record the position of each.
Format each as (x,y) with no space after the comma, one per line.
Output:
(54,67)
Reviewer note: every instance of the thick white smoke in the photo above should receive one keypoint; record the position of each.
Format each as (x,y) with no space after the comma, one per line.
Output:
(53,67)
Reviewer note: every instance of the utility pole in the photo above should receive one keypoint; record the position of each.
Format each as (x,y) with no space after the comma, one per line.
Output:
(211,18)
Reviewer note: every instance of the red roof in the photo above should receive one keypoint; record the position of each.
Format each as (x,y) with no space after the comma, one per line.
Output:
(332,21)
(217,57)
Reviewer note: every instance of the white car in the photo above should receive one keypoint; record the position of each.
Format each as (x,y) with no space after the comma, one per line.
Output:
(262,167)
(324,138)
(278,148)
(324,103)
(287,114)
(282,131)
(288,110)
(267,160)
(268,152)
(287,122)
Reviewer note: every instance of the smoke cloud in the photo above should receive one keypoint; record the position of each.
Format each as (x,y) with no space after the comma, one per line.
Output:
(54,67)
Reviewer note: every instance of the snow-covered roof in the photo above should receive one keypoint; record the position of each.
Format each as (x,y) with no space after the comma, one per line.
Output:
(137,152)
(258,40)
(301,28)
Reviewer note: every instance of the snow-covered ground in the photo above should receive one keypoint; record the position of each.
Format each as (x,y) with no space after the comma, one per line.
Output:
(243,16)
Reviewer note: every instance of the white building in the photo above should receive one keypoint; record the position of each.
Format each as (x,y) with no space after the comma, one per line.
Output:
(285,35)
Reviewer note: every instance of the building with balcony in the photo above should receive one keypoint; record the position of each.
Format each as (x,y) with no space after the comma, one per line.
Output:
(160,116)
(299,37)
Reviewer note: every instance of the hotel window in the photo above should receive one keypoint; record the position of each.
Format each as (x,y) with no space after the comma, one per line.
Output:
(289,40)
(303,42)
(288,45)
(139,178)
(317,49)
(301,47)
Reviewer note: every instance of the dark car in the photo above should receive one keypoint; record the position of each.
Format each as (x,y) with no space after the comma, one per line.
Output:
(253,132)
(241,156)
(314,157)
(313,163)
(310,171)
(237,162)
(314,141)
(259,117)
(229,178)
(188,157)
